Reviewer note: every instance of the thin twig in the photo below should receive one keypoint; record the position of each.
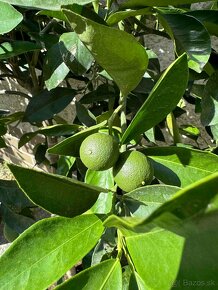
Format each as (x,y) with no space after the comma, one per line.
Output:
(48,26)
(5,92)
(148,30)
(8,76)
(123,122)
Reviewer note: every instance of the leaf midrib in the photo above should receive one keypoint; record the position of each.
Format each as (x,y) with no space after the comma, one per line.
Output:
(30,267)
(108,275)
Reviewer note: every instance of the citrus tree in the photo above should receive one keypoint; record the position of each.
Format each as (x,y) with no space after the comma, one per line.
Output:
(135,208)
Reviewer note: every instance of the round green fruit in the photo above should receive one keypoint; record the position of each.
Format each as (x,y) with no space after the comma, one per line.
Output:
(132,170)
(99,151)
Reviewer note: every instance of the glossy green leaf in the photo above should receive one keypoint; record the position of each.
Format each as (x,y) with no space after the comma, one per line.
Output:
(132,280)
(139,281)
(191,37)
(86,12)
(142,201)
(208,17)
(105,276)
(57,194)
(103,179)
(11,118)
(124,59)
(48,103)
(126,224)
(200,250)
(64,165)
(103,204)
(166,93)
(43,253)
(71,145)
(46,40)
(74,53)
(121,15)
(150,135)
(209,103)
(214,130)
(156,256)
(126,277)
(104,74)
(16,222)
(190,200)
(144,3)
(53,13)
(48,4)
(189,130)
(103,92)
(14,48)
(200,254)
(9,17)
(55,70)
(40,152)
(181,166)
(54,130)
(12,196)
(105,246)
(84,115)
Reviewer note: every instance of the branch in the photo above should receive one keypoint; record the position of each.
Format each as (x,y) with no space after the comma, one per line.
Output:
(4,92)
(148,30)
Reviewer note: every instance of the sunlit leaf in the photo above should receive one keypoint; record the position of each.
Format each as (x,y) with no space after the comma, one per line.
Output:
(10,49)
(142,201)
(190,200)
(70,146)
(156,256)
(181,166)
(209,103)
(190,36)
(43,253)
(123,57)
(57,194)
(46,104)
(54,130)
(166,93)
(55,70)
(9,17)
(106,275)
(144,3)
(48,4)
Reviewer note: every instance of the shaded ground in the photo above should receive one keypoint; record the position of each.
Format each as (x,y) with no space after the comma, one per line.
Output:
(4,171)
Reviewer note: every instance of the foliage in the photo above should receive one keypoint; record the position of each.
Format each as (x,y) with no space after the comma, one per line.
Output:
(158,236)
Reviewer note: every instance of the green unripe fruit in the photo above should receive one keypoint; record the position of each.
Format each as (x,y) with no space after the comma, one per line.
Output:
(99,151)
(132,170)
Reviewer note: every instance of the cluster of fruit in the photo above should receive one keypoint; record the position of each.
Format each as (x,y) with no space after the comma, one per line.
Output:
(131,169)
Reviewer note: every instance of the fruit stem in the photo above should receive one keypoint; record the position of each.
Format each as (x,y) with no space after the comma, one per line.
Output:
(119,245)
(123,123)
(126,253)
(112,117)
